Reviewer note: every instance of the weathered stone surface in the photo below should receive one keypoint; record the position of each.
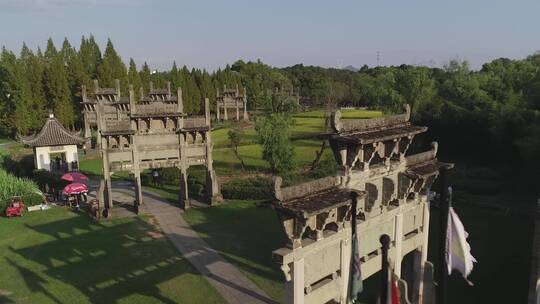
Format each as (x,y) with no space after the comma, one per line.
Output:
(319,217)
(151,134)
(231,99)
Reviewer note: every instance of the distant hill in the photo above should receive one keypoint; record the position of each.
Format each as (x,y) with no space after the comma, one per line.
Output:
(351,68)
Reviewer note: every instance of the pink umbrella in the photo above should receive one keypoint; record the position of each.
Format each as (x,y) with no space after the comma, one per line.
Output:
(75,177)
(75,188)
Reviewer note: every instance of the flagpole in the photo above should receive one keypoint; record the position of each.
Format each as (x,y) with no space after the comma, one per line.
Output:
(385,242)
(444,207)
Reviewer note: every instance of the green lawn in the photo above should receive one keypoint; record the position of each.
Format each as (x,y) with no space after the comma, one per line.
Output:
(5,140)
(57,256)
(246,234)
(91,166)
(305,125)
(13,148)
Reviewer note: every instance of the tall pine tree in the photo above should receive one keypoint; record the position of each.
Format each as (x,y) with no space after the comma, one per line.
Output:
(33,68)
(134,78)
(112,68)
(57,86)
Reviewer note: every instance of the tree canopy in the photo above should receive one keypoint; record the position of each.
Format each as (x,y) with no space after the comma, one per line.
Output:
(496,108)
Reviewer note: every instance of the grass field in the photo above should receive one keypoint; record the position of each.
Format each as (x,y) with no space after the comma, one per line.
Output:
(246,234)
(57,256)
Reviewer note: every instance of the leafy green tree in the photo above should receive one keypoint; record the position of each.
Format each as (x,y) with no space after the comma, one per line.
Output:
(273,135)
(235,136)
(416,86)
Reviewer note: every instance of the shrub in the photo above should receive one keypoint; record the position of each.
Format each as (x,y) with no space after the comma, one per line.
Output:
(326,167)
(14,186)
(44,179)
(22,167)
(170,176)
(252,188)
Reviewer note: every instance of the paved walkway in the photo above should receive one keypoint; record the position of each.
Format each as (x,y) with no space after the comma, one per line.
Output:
(232,284)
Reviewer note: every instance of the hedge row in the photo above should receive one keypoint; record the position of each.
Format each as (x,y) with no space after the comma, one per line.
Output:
(252,188)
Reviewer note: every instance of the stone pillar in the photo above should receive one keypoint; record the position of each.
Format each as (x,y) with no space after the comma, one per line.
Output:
(298,281)
(207,113)
(183,195)
(294,287)
(346,255)
(217,104)
(180,100)
(225,117)
(245,107)
(420,258)
(398,241)
(99,122)
(136,171)
(117,87)
(237,110)
(213,194)
(138,189)
(87,133)
(106,175)
(184,191)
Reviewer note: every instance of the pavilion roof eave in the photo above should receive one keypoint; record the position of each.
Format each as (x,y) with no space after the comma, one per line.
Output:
(52,134)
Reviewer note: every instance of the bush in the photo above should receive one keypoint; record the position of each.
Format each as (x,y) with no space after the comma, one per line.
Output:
(170,176)
(14,186)
(252,188)
(21,168)
(327,167)
(44,179)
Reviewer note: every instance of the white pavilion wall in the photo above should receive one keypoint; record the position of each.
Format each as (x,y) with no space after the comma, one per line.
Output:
(43,158)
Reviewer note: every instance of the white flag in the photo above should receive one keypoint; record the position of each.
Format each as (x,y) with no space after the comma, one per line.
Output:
(458,254)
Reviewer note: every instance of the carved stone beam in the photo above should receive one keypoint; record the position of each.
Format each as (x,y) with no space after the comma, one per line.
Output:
(353,154)
(404,144)
(369,153)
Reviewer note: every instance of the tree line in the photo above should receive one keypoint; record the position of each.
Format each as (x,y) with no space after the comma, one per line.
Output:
(489,113)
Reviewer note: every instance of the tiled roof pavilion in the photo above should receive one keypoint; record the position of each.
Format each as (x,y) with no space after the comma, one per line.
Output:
(53,134)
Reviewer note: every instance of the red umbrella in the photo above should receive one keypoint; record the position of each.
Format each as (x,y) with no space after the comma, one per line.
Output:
(74,177)
(75,188)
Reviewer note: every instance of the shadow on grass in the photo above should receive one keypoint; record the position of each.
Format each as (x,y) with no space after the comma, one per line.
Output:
(104,262)
(203,257)
(246,234)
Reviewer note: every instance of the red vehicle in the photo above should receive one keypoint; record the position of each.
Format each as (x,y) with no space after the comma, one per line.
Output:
(15,207)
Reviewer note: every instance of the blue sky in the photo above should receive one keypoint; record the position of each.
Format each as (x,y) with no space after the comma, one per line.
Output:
(209,34)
